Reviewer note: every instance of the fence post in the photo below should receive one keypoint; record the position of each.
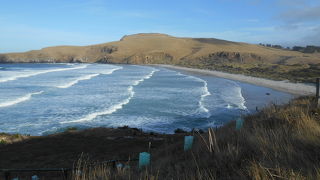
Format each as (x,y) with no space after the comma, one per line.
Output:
(34,177)
(144,159)
(188,141)
(317,93)
(239,123)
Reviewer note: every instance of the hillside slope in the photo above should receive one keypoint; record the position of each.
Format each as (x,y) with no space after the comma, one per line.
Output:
(278,142)
(155,48)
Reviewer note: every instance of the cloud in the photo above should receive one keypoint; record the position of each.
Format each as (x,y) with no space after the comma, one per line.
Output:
(305,14)
(313,38)
(292,3)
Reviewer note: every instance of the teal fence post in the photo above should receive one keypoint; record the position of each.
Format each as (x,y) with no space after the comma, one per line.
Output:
(144,159)
(239,123)
(188,141)
(35,177)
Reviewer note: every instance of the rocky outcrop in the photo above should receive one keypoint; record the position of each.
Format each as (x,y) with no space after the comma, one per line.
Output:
(150,58)
(3,59)
(220,57)
(108,49)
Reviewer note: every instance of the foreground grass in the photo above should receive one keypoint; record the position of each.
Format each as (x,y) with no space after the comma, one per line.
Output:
(280,142)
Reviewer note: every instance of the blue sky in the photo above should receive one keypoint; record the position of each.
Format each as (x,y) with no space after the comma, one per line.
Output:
(34,24)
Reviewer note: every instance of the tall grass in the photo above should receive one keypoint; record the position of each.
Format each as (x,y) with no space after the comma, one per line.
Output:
(279,142)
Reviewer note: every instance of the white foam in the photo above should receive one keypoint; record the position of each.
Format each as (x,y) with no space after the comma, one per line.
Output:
(234,97)
(110,110)
(202,98)
(19,100)
(205,92)
(112,70)
(87,77)
(242,100)
(82,78)
(115,107)
(12,78)
(144,78)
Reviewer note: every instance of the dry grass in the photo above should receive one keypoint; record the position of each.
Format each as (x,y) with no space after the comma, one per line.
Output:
(159,48)
(280,142)
(207,53)
(12,138)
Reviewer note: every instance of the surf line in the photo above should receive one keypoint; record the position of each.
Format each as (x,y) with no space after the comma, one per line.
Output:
(41,72)
(82,78)
(115,107)
(19,100)
(205,92)
(86,77)
(112,70)
(241,105)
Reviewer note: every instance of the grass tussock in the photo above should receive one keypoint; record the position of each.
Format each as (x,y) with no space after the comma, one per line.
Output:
(279,142)
(11,138)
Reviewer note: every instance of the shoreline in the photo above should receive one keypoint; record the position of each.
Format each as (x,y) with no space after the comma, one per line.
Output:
(299,89)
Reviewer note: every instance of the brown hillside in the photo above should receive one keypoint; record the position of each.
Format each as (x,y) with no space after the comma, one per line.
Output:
(203,53)
(161,48)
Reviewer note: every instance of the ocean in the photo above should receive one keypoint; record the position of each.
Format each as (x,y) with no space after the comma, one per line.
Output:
(40,99)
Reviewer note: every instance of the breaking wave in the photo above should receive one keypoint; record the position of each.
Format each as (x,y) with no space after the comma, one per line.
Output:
(112,70)
(82,78)
(115,107)
(202,110)
(19,100)
(12,78)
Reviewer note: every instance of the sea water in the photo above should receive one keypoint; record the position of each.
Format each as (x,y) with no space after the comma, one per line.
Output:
(40,99)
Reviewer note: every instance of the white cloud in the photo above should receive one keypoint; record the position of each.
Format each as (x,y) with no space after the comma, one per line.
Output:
(305,14)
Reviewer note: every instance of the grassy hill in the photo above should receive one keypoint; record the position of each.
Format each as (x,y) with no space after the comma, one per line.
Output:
(206,53)
(278,142)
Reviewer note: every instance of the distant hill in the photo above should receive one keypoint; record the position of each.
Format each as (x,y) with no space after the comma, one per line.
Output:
(153,48)
(160,48)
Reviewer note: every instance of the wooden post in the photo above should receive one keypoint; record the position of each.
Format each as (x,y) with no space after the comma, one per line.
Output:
(317,92)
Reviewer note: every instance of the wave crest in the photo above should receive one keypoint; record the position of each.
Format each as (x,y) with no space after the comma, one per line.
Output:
(82,78)
(202,110)
(115,107)
(12,78)
(19,100)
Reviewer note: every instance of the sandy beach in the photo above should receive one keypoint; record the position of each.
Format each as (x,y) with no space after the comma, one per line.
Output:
(292,88)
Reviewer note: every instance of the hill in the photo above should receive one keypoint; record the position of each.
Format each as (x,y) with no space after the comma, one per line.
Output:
(209,53)
(278,142)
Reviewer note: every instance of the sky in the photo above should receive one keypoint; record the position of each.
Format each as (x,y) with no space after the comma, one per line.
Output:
(34,24)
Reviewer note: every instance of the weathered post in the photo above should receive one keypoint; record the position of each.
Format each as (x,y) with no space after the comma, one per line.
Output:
(34,177)
(144,159)
(188,141)
(317,92)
